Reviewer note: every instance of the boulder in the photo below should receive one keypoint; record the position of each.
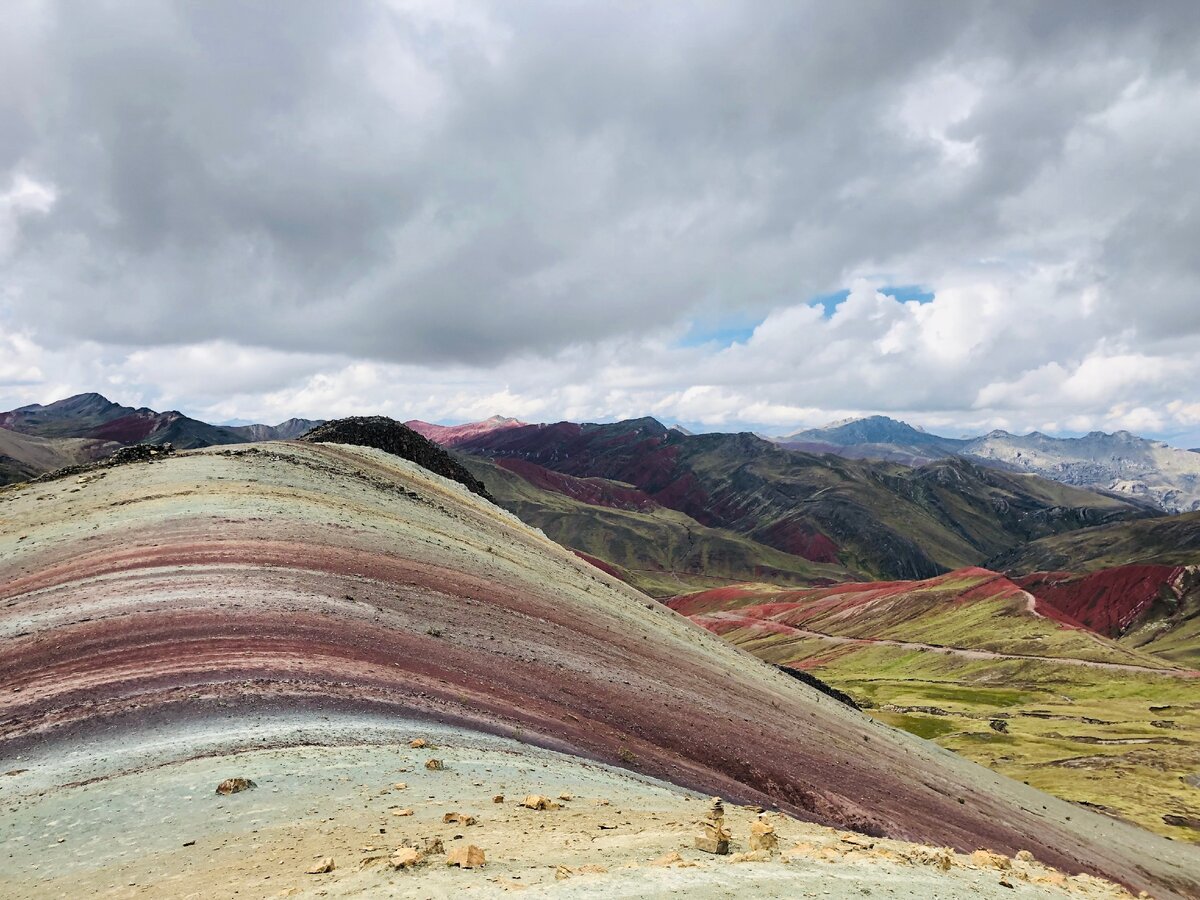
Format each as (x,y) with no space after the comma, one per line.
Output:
(986,859)
(234,785)
(406,858)
(762,836)
(468,857)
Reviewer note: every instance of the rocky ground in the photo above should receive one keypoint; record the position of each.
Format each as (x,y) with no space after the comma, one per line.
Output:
(160,828)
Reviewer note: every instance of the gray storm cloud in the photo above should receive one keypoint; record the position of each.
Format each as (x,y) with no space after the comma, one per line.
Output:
(486,189)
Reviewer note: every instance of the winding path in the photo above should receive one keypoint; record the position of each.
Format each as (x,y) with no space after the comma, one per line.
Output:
(957,651)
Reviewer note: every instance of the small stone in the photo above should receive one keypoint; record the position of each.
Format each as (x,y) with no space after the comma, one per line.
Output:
(668,859)
(399,786)
(434,765)
(418,743)
(537,801)
(499,798)
(402,812)
(325,865)
(563,872)
(1024,856)
(433,846)
(456,818)
(752,856)
(468,857)
(565,797)
(235,785)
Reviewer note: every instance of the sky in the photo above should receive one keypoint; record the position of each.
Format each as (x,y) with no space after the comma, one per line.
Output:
(731,215)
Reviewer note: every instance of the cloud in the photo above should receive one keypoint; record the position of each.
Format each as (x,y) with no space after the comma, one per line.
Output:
(419,207)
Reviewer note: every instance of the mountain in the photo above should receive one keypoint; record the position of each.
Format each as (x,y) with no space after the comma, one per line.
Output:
(85,426)
(452,435)
(1120,462)
(325,620)
(628,534)
(24,456)
(95,417)
(874,437)
(975,662)
(284,431)
(1162,541)
(1135,581)
(875,519)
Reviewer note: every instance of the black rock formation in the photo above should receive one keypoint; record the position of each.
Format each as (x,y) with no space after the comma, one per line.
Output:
(392,437)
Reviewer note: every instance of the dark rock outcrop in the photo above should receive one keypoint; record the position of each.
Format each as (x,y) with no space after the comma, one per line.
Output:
(814,682)
(392,437)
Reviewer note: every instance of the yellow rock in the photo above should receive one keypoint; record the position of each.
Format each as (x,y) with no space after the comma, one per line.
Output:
(668,859)
(402,812)
(418,743)
(537,801)
(752,856)
(399,786)
(468,857)
(434,765)
(456,818)
(986,859)
(762,835)
(325,865)
(406,858)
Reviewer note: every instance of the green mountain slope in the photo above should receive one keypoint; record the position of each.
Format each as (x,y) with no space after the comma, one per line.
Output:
(659,550)
(879,519)
(967,660)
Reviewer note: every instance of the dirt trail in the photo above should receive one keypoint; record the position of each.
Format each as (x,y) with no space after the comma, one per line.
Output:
(961,651)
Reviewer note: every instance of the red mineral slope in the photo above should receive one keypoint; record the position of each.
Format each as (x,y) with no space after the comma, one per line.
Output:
(319,579)
(452,435)
(1109,601)
(596,491)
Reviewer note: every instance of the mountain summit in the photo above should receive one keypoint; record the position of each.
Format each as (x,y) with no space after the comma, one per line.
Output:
(1121,462)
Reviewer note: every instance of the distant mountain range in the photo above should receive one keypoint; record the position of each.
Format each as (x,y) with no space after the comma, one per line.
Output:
(667,507)
(1121,462)
(864,517)
(37,438)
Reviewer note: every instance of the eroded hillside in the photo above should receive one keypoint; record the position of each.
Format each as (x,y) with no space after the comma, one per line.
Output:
(299,595)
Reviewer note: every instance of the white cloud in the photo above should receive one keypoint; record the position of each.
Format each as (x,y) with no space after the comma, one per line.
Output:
(449,209)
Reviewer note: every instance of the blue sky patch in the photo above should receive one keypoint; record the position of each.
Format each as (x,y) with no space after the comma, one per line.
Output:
(905,292)
(829,302)
(723,333)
